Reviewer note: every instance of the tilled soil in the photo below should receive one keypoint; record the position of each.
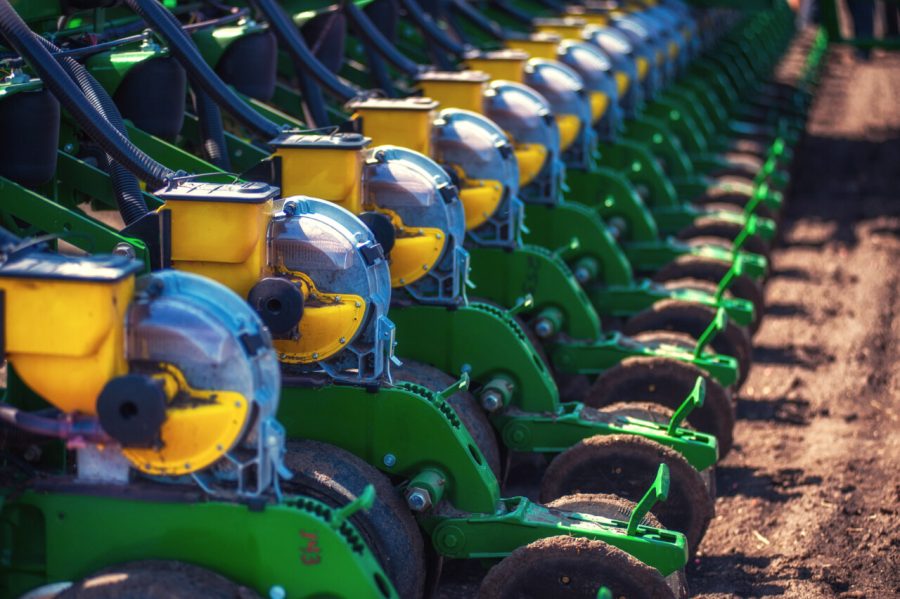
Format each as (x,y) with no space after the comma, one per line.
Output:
(809,498)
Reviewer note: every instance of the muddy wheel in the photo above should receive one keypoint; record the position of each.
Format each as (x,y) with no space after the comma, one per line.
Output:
(710,288)
(156,579)
(721,192)
(661,415)
(692,319)
(667,382)
(617,508)
(337,477)
(626,465)
(572,567)
(711,227)
(467,408)
(696,267)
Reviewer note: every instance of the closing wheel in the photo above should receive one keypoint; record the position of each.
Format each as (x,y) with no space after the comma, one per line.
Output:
(706,269)
(156,579)
(692,320)
(626,465)
(724,194)
(572,567)
(715,228)
(653,412)
(710,288)
(667,382)
(467,408)
(336,478)
(617,508)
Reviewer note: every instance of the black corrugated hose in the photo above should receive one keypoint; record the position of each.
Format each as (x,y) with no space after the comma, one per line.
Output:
(125,184)
(201,74)
(112,141)
(211,129)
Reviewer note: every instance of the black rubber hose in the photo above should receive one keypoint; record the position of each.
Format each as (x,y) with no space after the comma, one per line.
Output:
(182,47)
(214,147)
(58,82)
(374,39)
(512,11)
(466,11)
(430,29)
(126,188)
(293,43)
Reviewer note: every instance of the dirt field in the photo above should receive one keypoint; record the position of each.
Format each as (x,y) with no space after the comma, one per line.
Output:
(809,499)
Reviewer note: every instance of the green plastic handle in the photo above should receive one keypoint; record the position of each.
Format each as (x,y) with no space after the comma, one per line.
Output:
(693,401)
(658,491)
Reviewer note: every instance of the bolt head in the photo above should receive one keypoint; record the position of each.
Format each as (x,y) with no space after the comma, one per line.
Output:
(491,400)
(543,328)
(418,500)
(124,249)
(582,275)
(389,460)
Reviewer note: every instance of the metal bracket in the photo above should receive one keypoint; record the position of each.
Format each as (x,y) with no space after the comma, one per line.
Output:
(693,401)
(658,491)
(719,322)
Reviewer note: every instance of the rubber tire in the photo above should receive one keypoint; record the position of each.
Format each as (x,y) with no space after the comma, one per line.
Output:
(464,403)
(706,227)
(626,465)
(535,571)
(156,579)
(645,379)
(336,477)
(695,267)
(692,319)
(617,508)
(710,288)
(660,415)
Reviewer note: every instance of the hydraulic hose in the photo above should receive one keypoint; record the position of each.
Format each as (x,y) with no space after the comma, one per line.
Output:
(293,43)
(469,13)
(430,29)
(182,47)
(375,40)
(211,129)
(58,82)
(57,427)
(126,188)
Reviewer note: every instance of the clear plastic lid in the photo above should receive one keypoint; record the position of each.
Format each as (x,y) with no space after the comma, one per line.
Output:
(197,325)
(476,146)
(560,85)
(594,67)
(522,113)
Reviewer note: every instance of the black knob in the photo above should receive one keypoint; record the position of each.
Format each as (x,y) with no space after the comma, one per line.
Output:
(279,303)
(132,409)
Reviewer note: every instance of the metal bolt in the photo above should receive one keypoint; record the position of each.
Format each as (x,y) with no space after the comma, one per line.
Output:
(491,400)
(543,328)
(290,208)
(343,340)
(68,148)
(315,355)
(124,249)
(582,275)
(389,460)
(418,499)
(277,592)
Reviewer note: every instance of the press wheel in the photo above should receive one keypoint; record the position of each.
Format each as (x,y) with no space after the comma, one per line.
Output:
(574,568)
(710,288)
(156,579)
(617,508)
(467,408)
(626,465)
(667,382)
(712,227)
(336,477)
(690,320)
(708,269)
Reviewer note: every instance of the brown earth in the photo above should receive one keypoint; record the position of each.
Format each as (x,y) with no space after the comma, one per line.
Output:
(809,498)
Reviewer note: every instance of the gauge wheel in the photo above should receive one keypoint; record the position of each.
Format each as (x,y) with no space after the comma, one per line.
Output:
(697,267)
(617,508)
(573,567)
(660,415)
(710,288)
(690,320)
(337,477)
(667,382)
(156,579)
(464,403)
(626,465)
(712,227)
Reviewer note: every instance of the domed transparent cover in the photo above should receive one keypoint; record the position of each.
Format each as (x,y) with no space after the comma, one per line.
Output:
(592,65)
(560,85)
(340,255)
(217,342)
(422,194)
(522,113)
